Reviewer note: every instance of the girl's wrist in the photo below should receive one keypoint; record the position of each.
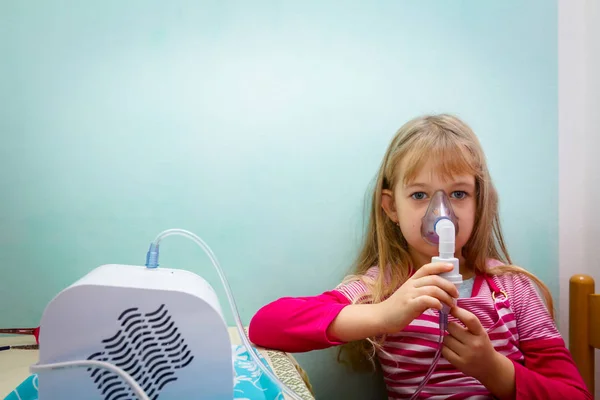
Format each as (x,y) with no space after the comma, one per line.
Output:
(499,378)
(380,318)
(384,324)
(357,322)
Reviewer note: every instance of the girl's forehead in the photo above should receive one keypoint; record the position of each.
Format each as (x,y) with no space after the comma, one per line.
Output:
(431,172)
(437,178)
(437,163)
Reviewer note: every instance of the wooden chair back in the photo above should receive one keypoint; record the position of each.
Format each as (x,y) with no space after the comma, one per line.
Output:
(584,325)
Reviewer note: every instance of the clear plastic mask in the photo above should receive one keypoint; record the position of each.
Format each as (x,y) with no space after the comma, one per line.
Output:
(439,208)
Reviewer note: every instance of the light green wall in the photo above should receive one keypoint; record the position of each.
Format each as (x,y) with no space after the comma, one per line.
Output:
(258,125)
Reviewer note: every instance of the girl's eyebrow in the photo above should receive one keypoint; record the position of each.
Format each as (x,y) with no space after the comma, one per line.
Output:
(463,183)
(420,185)
(416,185)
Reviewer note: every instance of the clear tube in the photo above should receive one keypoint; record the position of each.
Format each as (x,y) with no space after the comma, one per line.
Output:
(137,390)
(152,262)
(438,354)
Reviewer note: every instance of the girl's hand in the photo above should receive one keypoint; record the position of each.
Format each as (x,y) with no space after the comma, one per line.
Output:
(424,290)
(471,352)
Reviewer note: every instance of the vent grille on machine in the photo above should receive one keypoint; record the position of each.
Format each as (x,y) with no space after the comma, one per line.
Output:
(149,347)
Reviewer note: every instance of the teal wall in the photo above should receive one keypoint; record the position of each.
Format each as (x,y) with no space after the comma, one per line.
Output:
(257,126)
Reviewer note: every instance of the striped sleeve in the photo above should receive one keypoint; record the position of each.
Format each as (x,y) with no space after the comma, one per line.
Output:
(548,371)
(357,291)
(534,321)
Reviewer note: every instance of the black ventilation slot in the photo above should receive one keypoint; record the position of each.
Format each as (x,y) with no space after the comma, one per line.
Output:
(149,347)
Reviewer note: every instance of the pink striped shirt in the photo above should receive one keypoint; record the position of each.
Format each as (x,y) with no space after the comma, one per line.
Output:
(406,356)
(515,318)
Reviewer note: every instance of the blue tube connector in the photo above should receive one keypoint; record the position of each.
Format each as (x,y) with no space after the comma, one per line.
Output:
(152,256)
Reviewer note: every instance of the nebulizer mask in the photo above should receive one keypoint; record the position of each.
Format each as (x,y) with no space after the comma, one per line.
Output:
(439,227)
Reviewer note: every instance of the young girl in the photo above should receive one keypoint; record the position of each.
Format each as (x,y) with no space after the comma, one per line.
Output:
(501,341)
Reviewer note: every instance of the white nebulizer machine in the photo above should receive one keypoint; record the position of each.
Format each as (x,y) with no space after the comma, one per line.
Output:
(439,226)
(125,332)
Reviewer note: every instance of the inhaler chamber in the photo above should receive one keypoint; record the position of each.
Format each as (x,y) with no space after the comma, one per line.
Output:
(439,208)
(164,327)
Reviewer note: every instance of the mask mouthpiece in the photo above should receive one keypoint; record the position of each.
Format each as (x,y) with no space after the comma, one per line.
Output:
(439,208)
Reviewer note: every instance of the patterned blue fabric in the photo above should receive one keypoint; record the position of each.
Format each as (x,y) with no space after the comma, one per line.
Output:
(250,382)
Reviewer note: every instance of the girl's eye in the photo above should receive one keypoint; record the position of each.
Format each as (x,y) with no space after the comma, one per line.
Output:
(419,195)
(459,195)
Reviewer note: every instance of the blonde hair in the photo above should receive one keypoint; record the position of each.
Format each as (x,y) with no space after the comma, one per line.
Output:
(456,150)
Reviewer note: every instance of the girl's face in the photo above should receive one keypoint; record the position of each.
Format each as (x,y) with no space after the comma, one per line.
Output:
(407,204)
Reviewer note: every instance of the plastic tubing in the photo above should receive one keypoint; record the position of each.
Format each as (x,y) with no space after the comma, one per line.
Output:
(152,262)
(438,354)
(135,387)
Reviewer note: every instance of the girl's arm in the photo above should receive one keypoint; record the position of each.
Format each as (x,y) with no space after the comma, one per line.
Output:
(549,371)
(299,324)
(311,323)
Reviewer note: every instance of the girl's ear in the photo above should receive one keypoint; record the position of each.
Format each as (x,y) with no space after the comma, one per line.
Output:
(389,205)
